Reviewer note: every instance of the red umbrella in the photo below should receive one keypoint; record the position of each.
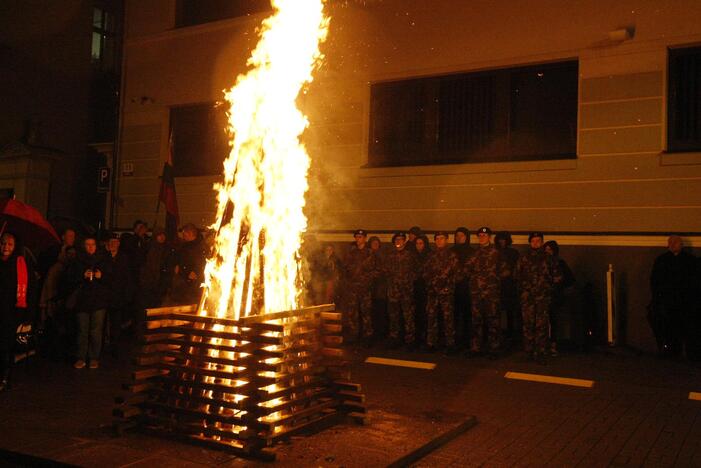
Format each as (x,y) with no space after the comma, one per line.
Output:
(27,224)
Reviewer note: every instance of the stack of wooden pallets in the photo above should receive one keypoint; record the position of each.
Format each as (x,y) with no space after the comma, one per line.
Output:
(239,385)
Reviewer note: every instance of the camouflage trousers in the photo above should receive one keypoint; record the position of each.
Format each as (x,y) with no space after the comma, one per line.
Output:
(396,309)
(485,314)
(359,310)
(444,303)
(535,323)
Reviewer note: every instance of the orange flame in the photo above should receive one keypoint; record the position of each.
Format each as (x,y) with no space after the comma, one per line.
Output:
(260,219)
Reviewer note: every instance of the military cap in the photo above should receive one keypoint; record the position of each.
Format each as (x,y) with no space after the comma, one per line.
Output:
(535,234)
(441,233)
(484,230)
(398,234)
(360,232)
(415,230)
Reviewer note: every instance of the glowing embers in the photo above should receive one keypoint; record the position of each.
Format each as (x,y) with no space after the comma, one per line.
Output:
(240,384)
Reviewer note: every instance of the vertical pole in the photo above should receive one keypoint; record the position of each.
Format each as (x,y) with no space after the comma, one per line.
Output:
(611,305)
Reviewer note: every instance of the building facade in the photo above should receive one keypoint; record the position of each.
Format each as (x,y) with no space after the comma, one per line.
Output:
(571,118)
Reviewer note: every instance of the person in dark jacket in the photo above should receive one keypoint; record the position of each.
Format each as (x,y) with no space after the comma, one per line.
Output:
(122,285)
(414,232)
(536,275)
(400,269)
(93,300)
(17,293)
(156,273)
(462,307)
(378,290)
(674,283)
(423,253)
(561,290)
(325,272)
(190,259)
(509,301)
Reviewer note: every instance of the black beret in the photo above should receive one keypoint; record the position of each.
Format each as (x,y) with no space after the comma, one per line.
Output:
(398,234)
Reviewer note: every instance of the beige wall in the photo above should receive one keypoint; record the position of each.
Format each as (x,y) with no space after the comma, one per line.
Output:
(621,180)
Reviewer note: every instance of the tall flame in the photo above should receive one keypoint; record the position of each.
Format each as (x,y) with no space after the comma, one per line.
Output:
(260,219)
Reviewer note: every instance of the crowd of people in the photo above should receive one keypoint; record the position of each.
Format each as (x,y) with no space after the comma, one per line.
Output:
(87,291)
(481,299)
(451,296)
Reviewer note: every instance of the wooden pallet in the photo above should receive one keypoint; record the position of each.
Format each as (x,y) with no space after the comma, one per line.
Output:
(239,385)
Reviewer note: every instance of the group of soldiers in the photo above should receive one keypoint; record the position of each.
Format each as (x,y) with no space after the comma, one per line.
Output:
(482,281)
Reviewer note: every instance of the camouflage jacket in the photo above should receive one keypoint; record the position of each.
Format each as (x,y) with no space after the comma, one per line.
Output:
(484,270)
(537,273)
(359,268)
(440,271)
(401,269)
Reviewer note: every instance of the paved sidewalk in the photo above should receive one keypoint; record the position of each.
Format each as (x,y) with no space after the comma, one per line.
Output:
(637,413)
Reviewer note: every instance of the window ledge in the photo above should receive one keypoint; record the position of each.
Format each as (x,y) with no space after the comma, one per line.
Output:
(686,158)
(469,168)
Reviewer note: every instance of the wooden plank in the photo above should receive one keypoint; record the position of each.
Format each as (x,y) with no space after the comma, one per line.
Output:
(182,309)
(222,335)
(244,374)
(419,453)
(331,316)
(307,426)
(137,387)
(347,395)
(332,328)
(288,419)
(146,373)
(332,340)
(201,414)
(334,352)
(288,313)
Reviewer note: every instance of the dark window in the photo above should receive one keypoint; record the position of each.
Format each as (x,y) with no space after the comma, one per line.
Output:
(200,140)
(192,12)
(515,114)
(684,105)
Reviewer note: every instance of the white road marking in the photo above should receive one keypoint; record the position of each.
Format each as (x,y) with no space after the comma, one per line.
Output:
(401,363)
(550,379)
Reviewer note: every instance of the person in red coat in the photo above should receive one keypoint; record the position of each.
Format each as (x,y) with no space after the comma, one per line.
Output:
(16,289)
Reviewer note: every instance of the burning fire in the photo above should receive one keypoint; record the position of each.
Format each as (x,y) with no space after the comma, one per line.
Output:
(260,219)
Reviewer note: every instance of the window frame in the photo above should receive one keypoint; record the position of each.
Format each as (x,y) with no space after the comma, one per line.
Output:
(674,144)
(501,111)
(214,167)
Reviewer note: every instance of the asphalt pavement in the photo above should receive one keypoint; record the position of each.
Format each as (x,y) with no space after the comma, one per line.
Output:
(609,407)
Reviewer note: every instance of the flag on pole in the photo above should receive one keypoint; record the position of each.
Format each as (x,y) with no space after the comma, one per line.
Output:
(167,194)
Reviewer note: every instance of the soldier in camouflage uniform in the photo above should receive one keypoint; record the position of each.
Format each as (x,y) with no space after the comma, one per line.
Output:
(484,270)
(401,269)
(536,274)
(440,272)
(359,272)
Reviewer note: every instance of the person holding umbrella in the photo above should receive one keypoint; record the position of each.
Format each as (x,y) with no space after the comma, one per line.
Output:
(16,290)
